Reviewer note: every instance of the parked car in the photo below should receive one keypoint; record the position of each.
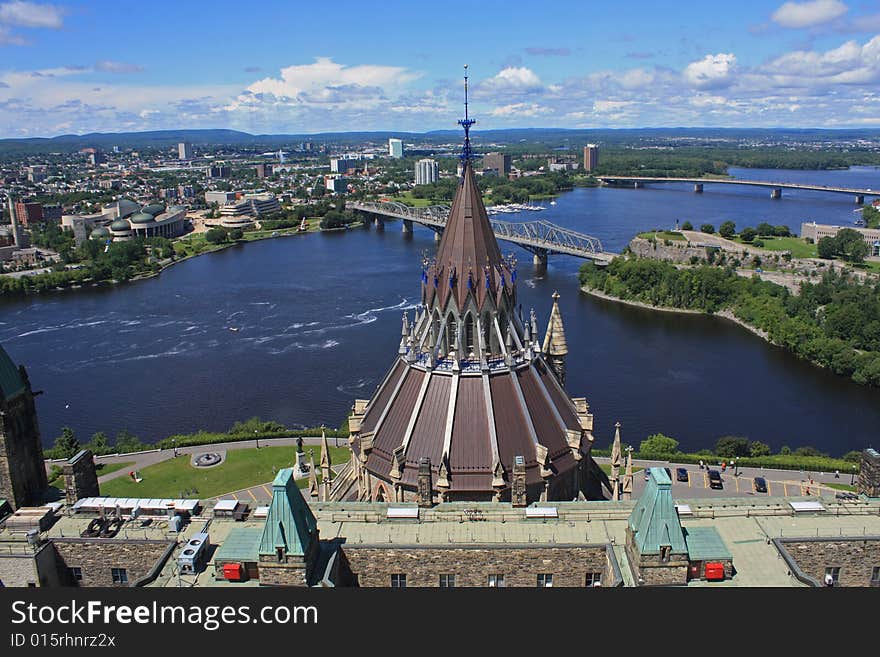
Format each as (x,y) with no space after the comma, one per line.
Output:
(760,485)
(715,479)
(681,474)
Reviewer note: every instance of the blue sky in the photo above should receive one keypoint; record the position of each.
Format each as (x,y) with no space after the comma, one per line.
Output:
(312,67)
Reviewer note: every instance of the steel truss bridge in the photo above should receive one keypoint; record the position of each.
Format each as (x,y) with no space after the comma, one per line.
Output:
(775,187)
(538,237)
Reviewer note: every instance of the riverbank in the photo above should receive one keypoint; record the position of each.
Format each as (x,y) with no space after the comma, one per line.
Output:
(726,314)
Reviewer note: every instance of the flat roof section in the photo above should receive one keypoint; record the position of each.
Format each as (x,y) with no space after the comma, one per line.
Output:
(705,544)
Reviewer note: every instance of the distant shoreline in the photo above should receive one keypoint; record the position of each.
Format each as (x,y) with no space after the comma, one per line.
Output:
(725,314)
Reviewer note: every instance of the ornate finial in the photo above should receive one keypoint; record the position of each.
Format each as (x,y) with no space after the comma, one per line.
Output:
(555,296)
(466,123)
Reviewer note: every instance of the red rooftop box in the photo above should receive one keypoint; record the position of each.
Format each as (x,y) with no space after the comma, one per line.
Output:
(714,571)
(235,573)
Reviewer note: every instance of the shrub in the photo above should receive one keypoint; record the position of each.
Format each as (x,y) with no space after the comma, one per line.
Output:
(757,448)
(707,228)
(731,446)
(659,444)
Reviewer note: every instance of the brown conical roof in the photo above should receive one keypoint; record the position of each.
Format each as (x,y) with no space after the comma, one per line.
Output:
(468,251)
(554,339)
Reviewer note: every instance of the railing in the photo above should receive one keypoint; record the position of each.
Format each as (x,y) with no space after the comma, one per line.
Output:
(533,235)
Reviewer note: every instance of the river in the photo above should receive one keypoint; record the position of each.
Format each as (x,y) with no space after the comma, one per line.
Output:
(318,319)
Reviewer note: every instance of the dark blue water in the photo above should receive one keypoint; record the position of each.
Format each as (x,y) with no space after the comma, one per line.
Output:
(319,324)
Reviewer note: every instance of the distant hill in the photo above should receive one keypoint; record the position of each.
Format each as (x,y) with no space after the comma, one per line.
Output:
(549,136)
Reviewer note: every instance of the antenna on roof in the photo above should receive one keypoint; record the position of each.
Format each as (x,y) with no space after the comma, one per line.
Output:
(466,122)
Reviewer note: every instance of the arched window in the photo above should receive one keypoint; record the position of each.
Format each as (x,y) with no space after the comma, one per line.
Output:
(450,332)
(469,334)
(487,334)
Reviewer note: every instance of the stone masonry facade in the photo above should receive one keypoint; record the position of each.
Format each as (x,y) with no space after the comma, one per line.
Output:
(80,477)
(22,470)
(96,557)
(471,566)
(856,557)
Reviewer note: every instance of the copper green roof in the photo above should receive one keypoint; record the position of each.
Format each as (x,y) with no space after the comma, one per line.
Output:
(154,209)
(241,545)
(290,524)
(120,224)
(705,543)
(11,382)
(141,218)
(654,519)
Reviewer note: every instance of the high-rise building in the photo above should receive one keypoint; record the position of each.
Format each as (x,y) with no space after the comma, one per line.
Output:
(591,157)
(426,172)
(28,214)
(499,162)
(184,151)
(218,171)
(342,164)
(264,170)
(395,148)
(36,173)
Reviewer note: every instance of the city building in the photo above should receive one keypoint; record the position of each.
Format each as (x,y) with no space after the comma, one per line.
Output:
(153,220)
(336,184)
(343,164)
(186,191)
(240,212)
(184,151)
(168,193)
(36,173)
(497,162)
(426,172)
(263,170)
(395,148)
(218,171)
(812,230)
(110,184)
(218,197)
(591,157)
(22,470)
(28,214)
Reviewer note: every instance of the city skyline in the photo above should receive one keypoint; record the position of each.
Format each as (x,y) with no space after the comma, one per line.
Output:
(798,64)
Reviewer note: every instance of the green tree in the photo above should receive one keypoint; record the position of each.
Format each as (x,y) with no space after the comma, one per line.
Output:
(99,444)
(236,234)
(827,247)
(748,234)
(765,229)
(757,448)
(658,444)
(707,228)
(727,229)
(785,450)
(730,446)
(687,225)
(216,235)
(127,442)
(66,445)
(851,245)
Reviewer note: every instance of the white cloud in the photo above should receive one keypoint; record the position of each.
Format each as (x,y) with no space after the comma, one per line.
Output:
(30,14)
(809,14)
(713,71)
(108,66)
(519,109)
(514,77)
(850,63)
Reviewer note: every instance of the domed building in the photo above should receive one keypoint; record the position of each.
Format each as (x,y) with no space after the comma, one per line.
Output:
(473,407)
(151,221)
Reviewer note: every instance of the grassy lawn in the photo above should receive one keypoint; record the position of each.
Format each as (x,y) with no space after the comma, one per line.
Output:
(846,487)
(663,235)
(407,199)
(871,266)
(107,468)
(243,468)
(798,247)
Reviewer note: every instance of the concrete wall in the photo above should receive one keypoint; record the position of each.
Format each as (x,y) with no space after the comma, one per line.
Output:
(373,565)
(856,558)
(80,477)
(96,557)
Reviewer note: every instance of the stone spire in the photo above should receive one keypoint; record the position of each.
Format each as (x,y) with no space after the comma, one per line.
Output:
(313,478)
(555,346)
(404,334)
(628,478)
(615,463)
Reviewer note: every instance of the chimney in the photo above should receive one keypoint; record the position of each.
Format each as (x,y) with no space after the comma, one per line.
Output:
(426,495)
(518,493)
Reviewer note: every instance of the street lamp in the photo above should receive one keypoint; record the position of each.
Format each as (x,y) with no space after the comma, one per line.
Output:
(852,481)
(174,445)
(257,437)
(736,467)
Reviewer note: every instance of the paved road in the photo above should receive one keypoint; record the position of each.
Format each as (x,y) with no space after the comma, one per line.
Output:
(787,483)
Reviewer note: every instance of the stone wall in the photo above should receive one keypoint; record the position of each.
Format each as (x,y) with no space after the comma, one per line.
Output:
(856,558)
(677,251)
(869,475)
(373,565)
(22,469)
(80,477)
(96,557)
(651,570)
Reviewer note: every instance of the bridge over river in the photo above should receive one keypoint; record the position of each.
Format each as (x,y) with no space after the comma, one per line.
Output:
(775,187)
(540,238)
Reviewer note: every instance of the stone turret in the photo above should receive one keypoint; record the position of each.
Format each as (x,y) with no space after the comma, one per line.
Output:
(326,472)
(555,347)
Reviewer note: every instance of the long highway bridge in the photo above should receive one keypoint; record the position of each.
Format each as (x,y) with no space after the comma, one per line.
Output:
(775,187)
(540,238)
